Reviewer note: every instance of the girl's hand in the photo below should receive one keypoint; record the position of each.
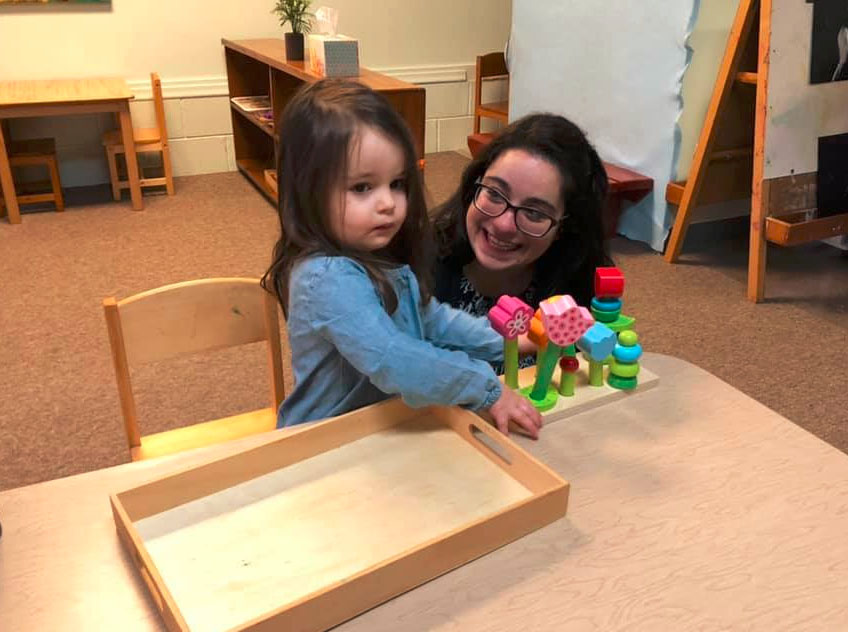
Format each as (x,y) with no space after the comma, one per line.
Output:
(513,408)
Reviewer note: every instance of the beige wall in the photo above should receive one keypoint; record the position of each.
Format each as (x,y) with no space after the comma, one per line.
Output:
(708,41)
(182,38)
(429,42)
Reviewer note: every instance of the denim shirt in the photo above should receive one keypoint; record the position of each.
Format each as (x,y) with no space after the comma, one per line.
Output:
(348,352)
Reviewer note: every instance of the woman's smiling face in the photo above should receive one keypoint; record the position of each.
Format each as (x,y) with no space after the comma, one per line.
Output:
(525,180)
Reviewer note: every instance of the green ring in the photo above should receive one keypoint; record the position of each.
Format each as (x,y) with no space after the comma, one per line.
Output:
(622,383)
(546,404)
(624,369)
(605,317)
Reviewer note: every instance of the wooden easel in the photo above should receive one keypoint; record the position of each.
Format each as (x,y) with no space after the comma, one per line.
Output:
(730,155)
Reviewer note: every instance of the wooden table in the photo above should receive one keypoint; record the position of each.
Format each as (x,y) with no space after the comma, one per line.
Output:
(60,97)
(692,507)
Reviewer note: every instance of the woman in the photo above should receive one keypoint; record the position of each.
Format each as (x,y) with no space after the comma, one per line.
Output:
(526,220)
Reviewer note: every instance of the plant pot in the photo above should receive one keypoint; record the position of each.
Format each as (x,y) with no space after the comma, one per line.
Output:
(294,46)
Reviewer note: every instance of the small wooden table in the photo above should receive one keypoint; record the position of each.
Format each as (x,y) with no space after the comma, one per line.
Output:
(60,97)
(692,507)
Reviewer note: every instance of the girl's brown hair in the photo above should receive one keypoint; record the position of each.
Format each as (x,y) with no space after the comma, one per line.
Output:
(317,131)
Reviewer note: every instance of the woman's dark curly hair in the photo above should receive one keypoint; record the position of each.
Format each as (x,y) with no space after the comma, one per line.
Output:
(568,265)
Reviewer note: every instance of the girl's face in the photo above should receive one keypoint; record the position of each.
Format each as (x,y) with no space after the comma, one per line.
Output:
(524,180)
(368,207)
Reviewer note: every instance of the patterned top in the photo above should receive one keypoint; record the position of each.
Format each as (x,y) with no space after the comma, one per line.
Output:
(472,302)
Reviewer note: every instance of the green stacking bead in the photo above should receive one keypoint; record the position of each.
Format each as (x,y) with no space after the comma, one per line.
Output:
(628,338)
(622,383)
(622,369)
(605,317)
(622,323)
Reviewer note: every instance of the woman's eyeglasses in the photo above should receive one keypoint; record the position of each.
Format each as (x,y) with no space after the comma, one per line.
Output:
(529,221)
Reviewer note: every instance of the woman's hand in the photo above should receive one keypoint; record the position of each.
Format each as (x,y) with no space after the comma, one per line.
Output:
(526,346)
(513,408)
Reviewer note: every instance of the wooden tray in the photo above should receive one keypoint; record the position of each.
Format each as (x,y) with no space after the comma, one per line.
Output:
(330,520)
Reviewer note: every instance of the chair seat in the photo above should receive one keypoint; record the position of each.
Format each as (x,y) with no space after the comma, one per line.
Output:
(206,433)
(498,110)
(476,142)
(143,136)
(32,148)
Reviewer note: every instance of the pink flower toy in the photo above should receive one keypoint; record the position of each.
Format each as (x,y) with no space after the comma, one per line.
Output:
(565,322)
(510,317)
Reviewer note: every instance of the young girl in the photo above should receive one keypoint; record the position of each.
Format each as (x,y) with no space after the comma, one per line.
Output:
(350,270)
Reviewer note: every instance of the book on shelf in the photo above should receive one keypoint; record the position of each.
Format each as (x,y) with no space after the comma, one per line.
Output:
(252,104)
(271,179)
(266,116)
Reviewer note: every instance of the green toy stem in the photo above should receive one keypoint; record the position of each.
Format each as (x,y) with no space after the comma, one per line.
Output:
(596,373)
(539,352)
(545,370)
(566,379)
(511,362)
(566,384)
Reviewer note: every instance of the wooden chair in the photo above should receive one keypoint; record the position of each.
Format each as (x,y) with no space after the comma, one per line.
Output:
(146,140)
(183,319)
(35,152)
(489,67)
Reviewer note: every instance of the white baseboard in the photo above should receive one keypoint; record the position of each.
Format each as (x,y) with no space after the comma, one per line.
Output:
(191,87)
(200,128)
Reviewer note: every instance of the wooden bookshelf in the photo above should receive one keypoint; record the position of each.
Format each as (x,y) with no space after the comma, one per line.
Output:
(258,67)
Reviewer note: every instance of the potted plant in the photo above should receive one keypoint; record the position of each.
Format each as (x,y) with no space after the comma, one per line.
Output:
(296,14)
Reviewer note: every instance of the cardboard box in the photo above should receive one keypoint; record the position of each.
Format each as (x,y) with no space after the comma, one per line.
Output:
(333,55)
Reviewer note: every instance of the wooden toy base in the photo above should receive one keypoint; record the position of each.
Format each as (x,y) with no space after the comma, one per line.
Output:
(585,397)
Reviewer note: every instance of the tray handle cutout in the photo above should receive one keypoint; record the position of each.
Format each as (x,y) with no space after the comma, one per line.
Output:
(499,450)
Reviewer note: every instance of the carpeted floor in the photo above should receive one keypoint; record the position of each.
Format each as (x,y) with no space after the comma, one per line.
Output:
(59,412)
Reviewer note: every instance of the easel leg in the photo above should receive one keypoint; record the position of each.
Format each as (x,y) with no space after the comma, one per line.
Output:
(678,232)
(757,246)
(759,186)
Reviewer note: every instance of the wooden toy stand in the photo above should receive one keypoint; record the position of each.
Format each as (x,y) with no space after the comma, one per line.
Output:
(585,397)
(729,160)
(332,519)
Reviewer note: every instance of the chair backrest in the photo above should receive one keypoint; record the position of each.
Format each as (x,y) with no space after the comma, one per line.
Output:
(187,318)
(159,107)
(491,66)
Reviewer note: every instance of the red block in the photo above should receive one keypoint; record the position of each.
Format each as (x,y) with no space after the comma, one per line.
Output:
(609,283)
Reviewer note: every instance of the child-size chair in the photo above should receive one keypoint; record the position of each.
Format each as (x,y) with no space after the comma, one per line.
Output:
(489,67)
(188,318)
(35,152)
(146,140)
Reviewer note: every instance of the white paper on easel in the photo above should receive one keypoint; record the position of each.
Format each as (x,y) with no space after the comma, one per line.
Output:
(615,69)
